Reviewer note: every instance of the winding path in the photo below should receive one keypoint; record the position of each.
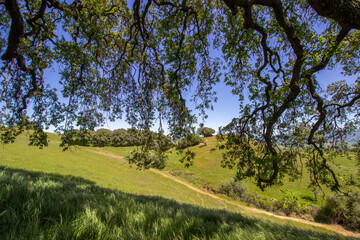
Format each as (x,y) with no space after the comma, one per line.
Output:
(335,228)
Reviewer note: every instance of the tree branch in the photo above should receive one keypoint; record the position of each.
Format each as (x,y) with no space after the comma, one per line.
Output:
(16,30)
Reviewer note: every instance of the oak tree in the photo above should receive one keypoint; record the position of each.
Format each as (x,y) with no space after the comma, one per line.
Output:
(137,60)
(206,131)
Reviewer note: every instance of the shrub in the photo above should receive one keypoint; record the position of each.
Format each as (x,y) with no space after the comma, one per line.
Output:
(148,159)
(120,138)
(226,189)
(83,137)
(234,189)
(290,203)
(101,137)
(238,187)
(189,141)
(341,209)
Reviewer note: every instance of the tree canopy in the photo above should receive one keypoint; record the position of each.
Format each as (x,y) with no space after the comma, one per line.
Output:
(206,131)
(136,60)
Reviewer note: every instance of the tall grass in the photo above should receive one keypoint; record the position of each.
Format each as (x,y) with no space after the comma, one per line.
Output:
(207,171)
(36,205)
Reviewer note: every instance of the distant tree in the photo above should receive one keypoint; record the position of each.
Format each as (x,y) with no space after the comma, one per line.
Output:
(83,137)
(206,131)
(120,138)
(101,138)
(189,141)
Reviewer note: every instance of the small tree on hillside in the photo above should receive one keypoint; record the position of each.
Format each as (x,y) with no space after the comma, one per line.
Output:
(205,131)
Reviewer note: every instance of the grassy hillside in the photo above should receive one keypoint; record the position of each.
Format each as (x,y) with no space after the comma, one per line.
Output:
(102,170)
(207,171)
(46,206)
(53,194)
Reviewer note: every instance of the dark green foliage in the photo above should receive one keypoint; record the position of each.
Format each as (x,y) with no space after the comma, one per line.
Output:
(101,138)
(46,206)
(155,159)
(83,137)
(151,146)
(341,209)
(120,138)
(37,137)
(205,131)
(152,150)
(189,141)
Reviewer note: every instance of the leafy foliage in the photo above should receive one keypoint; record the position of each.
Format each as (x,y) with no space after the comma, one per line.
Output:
(101,138)
(206,131)
(233,188)
(153,156)
(118,138)
(290,203)
(189,141)
(341,209)
(139,60)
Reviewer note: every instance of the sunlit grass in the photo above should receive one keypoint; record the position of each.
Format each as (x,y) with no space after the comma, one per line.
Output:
(207,171)
(49,206)
(84,165)
(102,170)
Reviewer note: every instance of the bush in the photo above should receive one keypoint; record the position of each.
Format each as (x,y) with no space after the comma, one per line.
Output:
(83,137)
(234,189)
(290,203)
(239,188)
(226,189)
(120,138)
(189,141)
(148,159)
(341,209)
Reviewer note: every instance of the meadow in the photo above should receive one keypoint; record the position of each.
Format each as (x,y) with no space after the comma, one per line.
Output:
(35,205)
(207,172)
(81,194)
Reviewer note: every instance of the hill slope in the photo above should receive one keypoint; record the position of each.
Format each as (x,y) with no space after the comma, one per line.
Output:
(207,171)
(43,206)
(80,175)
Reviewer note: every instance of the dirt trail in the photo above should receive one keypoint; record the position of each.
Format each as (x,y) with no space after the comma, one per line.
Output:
(335,228)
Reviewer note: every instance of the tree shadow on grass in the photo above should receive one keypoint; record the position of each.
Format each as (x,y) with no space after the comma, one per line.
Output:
(35,205)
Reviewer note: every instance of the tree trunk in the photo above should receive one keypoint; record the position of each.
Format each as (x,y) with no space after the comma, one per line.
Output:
(345,12)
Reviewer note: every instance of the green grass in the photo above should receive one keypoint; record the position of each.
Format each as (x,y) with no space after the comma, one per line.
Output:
(51,169)
(103,171)
(207,171)
(35,205)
